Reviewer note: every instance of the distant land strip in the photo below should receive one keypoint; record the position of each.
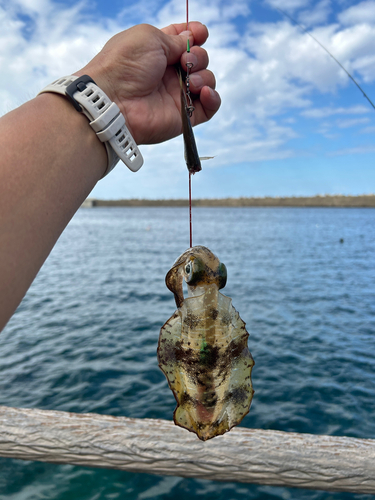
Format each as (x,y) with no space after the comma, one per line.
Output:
(365,200)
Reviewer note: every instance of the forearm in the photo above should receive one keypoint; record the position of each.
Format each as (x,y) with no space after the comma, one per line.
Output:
(50,161)
(51,158)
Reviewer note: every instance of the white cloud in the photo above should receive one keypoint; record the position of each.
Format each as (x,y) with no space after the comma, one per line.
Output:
(288,5)
(329,111)
(59,41)
(294,55)
(316,15)
(360,150)
(264,76)
(365,65)
(368,130)
(352,123)
(362,13)
(208,12)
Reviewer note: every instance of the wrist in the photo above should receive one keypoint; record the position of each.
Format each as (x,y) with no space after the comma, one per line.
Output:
(105,118)
(100,75)
(73,125)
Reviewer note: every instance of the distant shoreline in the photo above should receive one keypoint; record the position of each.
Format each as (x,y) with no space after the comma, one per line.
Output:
(364,201)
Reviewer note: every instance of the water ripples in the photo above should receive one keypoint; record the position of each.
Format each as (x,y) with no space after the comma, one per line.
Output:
(84,339)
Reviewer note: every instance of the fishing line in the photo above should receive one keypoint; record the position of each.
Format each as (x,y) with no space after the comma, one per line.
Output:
(328,52)
(190,221)
(189,66)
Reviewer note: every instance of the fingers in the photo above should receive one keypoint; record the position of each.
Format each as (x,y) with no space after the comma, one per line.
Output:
(206,106)
(197,56)
(175,40)
(198,30)
(200,79)
(175,46)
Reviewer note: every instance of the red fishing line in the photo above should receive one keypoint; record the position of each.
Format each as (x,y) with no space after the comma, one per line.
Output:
(191,225)
(190,220)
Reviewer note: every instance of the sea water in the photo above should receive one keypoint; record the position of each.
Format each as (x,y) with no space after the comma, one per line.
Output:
(84,338)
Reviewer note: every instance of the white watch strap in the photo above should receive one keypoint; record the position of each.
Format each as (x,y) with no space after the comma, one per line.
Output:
(105,118)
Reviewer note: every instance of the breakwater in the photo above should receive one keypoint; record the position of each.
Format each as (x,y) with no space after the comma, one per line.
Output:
(366,201)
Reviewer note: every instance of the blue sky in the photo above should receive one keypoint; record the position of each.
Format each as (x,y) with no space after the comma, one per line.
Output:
(291,123)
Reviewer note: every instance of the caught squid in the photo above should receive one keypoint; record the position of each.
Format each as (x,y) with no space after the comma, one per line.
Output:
(203,348)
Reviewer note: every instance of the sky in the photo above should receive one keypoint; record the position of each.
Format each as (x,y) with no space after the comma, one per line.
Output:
(291,122)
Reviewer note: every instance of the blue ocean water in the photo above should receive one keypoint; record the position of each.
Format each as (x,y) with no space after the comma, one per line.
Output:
(84,338)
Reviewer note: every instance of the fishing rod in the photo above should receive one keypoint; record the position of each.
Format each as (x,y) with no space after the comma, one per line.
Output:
(328,52)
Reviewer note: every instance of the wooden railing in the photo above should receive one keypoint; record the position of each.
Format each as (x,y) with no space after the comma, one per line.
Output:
(159,447)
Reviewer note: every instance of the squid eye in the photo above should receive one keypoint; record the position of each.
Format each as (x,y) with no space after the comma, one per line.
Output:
(187,269)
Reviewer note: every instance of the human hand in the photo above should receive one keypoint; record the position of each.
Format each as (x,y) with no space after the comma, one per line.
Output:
(136,70)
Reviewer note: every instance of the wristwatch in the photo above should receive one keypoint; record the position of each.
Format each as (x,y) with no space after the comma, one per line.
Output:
(105,118)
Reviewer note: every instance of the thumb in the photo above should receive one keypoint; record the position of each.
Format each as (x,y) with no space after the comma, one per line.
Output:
(175,45)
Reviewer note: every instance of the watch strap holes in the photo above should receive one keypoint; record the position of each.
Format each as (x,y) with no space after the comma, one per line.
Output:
(105,118)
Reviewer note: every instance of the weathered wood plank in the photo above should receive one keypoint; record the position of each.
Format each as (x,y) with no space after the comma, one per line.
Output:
(159,447)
